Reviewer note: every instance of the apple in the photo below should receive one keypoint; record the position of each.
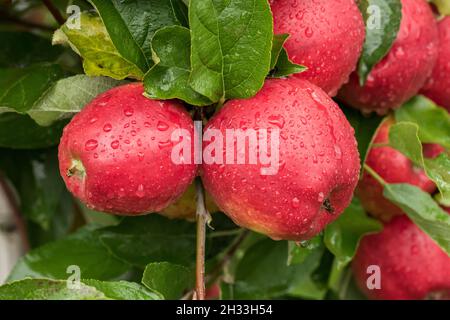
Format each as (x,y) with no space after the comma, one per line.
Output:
(404,70)
(325,35)
(115,155)
(411,265)
(315,174)
(437,87)
(393,167)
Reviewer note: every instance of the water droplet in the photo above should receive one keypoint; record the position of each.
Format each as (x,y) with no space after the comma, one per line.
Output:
(115,144)
(295,202)
(91,145)
(140,156)
(164,144)
(140,191)
(321,197)
(133,132)
(147,124)
(93,120)
(309,32)
(107,127)
(162,126)
(128,112)
(337,152)
(277,120)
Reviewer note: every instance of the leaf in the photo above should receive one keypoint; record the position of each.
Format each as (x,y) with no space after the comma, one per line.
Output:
(46,289)
(21,132)
(253,278)
(153,238)
(285,66)
(82,249)
(122,290)
(365,128)
(21,49)
(382,19)
(298,252)
(93,44)
(433,122)
(343,235)
(68,96)
(132,24)
(443,6)
(21,87)
(170,280)
(423,210)
(169,77)
(403,136)
(231,46)
(277,46)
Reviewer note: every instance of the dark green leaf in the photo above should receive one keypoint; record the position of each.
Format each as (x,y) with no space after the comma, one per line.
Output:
(277,45)
(170,280)
(382,19)
(298,252)
(169,77)
(122,290)
(82,249)
(231,46)
(423,210)
(433,122)
(285,67)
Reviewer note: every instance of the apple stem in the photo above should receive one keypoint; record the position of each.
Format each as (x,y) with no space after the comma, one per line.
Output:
(375,175)
(202,218)
(54,11)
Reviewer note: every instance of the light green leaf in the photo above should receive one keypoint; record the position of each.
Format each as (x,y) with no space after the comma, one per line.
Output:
(231,47)
(285,67)
(423,210)
(298,252)
(169,77)
(443,6)
(93,43)
(122,290)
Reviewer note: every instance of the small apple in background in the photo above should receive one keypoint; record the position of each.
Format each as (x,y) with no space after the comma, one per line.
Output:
(437,87)
(404,70)
(393,167)
(325,35)
(318,164)
(186,206)
(412,265)
(115,155)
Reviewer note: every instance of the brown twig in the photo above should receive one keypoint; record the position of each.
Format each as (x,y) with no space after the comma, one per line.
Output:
(28,24)
(54,11)
(202,218)
(19,221)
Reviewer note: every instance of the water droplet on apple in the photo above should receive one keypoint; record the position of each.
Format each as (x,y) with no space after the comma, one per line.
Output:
(115,144)
(107,127)
(162,126)
(91,145)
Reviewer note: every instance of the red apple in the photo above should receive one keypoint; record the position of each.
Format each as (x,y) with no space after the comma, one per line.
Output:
(411,264)
(393,167)
(317,169)
(437,87)
(325,35)
(404,70)
(115,155)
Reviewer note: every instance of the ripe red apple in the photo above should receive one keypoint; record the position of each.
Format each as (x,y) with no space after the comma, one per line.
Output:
(412,265)
(317,169)
(437,87)
(404,70)
(325,35)
(393,167)
(115,155)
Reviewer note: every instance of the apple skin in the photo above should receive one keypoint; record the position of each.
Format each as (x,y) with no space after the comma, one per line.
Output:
(404,70)
(412,265)
(393,167)
(121,142)
(318,162)
(325,35)
(437,87)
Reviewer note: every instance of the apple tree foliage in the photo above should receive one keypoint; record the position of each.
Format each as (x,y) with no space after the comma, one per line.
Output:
(194,53)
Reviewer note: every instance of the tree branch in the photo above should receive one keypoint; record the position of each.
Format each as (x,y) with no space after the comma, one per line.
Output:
(202,218)
(54,11)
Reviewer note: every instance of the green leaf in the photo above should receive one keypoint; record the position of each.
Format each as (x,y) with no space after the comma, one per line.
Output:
(21,49)
(443,6)
(93,44)
(21,132)
(404,136)
(433,122)
(69,96)
(21,87)
(423,210)
(153,238)
(382,19)
(231,47)
(132,24)
(267,257)
(365,128)
(277,45)
(285,66)
(169,77)
(82,249)
(170,280)
(298,252)
(343,235)
(122,290)
(46,289)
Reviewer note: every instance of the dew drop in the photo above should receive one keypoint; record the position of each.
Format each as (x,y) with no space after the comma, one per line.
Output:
(162,126)
(295,202)
(115,144)
(91,145)
(128,112)
(107,127)
(140,191)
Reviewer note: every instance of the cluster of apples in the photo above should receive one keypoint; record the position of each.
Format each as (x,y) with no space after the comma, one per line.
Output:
(115,155)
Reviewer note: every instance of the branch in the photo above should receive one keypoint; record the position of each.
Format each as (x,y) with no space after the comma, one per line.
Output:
(202,218)
(54,11)
(6,17)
